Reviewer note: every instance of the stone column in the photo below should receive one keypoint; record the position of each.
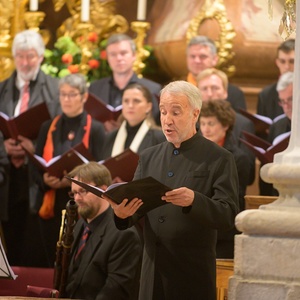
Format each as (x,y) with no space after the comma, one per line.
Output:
(267,254)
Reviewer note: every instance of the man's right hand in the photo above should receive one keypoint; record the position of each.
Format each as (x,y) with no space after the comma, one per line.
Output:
(124,209)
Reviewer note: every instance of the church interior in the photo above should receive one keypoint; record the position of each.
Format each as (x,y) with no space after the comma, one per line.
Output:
(247,34)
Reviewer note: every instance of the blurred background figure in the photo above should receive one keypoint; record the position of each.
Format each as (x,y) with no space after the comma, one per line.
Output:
(56,137)
(213,85)
(216,121)
(121,54)
(285,94)
(201,54)
(25,88)
(138,130)
(268,100)
(283,125)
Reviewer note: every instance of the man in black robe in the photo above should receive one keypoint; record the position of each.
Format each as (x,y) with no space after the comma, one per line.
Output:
(180,237)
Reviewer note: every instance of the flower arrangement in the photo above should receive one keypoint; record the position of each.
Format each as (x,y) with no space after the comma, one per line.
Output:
(66,58)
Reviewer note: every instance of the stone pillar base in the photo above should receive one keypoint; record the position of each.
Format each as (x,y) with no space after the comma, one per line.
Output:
(267,259)
(262,290)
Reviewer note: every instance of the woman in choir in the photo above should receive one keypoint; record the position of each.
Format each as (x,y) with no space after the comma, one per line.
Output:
(57,136)
(216,122)
(138,130)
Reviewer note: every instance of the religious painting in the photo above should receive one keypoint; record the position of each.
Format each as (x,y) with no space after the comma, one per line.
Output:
(257,23)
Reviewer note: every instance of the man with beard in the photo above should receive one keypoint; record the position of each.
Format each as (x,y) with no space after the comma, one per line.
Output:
(25,88)
(108,265)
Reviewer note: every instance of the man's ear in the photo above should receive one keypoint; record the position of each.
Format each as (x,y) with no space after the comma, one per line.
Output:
(196,114)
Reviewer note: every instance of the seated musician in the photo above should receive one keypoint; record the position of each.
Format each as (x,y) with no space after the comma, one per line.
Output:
(107,265)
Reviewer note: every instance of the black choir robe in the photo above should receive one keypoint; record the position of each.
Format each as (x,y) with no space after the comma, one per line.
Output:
(179,243)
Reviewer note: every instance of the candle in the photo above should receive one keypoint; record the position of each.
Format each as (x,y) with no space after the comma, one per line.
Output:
(85,10)
(33,5)
(141,11)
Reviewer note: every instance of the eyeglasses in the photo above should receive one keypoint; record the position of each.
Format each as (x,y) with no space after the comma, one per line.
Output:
(70,96)
(285,102)
(81,193)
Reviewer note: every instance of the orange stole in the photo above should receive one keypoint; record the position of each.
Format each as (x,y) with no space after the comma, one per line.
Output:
(191,79)
(47,209)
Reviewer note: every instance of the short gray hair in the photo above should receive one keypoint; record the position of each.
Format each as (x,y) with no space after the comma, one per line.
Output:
(204,41)
(119,37)
(181,87)
(284,81)
(27,40)
(76,81)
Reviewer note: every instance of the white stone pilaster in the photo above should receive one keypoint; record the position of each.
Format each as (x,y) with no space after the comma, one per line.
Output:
(267,254)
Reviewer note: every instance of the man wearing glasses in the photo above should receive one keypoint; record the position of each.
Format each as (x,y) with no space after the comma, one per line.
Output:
(285,92)
(104,261)
(267,104)
(283,124)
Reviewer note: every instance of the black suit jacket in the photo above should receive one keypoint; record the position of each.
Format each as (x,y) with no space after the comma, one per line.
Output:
(225,242)
(236,97)
(268,100)
(101,88)
(109,264)
(43,89)
(244,124)
(279,127)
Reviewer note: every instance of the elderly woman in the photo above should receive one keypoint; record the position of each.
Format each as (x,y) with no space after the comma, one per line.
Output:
(216,122)
(56,137)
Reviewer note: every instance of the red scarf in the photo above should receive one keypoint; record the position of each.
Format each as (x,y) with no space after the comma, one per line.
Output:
(47,209)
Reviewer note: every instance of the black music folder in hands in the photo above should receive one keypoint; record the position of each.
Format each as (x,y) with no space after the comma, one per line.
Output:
(122,165)
(148,189)
(26,124)
(101,111)
(261,123)
(59,165)
(264,150)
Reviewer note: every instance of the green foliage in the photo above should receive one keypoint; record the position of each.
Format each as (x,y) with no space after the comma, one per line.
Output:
(65,58)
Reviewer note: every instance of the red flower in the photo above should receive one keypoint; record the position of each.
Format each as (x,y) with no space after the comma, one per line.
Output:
(103,55)
(80,39)
(67,58)
(94,63)
(73,69)
(93,37)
